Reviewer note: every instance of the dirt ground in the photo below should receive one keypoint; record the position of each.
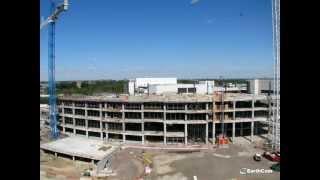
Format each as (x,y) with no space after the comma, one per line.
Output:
(59,168)
(125,165)
(128,164)
(52,168)
(221,164)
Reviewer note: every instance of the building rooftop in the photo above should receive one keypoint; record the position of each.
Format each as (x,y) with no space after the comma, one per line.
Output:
(166,98)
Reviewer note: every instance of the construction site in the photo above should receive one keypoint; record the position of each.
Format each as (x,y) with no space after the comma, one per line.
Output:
(161,129)
(149,126)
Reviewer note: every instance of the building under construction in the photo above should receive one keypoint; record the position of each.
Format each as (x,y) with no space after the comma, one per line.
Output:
(165,119)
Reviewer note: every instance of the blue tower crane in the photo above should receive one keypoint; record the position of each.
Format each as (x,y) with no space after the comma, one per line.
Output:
(55,11)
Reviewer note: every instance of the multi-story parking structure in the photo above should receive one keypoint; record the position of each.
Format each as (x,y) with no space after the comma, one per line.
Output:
(165,119)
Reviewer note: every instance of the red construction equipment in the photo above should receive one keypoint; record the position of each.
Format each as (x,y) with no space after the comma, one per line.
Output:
(274,156)
(221,140)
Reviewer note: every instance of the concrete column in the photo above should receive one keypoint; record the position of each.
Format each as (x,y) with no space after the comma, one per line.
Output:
(253,100)
(213,111)
(165,133)
(101,117)
(100,106)
(252,123)
(233,131)
(252,128)
(213,132)
(73,107)
(123,114)
(142,119)
(142,138)
(164,125)
(86,120)
(123,124)
(207,125)
(186,134)
(107,134)
(207,108)
(142,131)
(234,110)
(63,119)
(87,134)
(123,132)
(142,122)
(73,158)
(74,125)
(123,137)
(62,112)
(55,154)
(207,131)
(241,129)
(101,132)
(74,120)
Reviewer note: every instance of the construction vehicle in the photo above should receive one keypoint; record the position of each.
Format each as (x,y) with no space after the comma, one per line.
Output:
(272,156)
(257,157)
(222,140)
(276,167)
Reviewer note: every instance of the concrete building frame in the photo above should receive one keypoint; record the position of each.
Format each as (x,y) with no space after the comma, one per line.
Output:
(159,119)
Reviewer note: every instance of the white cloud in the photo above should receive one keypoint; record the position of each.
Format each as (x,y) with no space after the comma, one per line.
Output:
(210,21)
(194,2)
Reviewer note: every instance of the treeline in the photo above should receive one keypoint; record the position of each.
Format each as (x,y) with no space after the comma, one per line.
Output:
(44,100)
(91,87)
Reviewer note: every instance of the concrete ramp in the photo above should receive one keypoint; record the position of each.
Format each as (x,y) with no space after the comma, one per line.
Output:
(106,161)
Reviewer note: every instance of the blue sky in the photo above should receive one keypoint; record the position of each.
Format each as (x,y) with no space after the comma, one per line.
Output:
(118,39)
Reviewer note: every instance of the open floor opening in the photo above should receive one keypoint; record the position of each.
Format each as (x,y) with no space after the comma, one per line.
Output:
(154,139)
(196,133)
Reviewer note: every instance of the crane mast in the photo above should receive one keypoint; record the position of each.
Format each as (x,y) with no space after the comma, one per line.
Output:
(274,120)
(50,22)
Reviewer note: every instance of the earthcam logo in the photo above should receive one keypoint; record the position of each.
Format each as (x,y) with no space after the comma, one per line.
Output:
(255,171)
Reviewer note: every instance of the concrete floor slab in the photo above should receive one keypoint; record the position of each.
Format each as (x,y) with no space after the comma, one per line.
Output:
(80,147)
